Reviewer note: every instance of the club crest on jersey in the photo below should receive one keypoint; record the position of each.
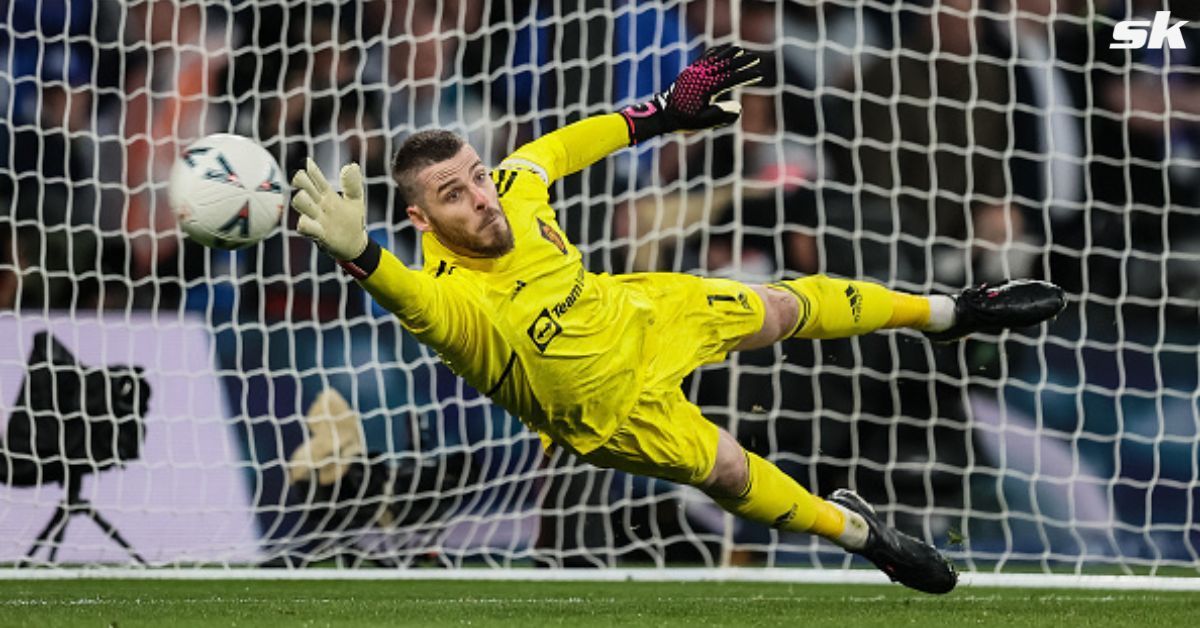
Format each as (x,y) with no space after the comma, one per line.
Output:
(552,236)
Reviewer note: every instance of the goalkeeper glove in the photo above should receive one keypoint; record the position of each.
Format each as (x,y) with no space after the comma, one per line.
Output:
(336,222)
(689,104)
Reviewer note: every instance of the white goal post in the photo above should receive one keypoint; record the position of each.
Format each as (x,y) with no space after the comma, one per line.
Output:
(153,394)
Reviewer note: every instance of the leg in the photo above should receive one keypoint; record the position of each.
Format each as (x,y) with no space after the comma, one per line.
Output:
(667,437)
(780,310)
(755,489)
(822,307)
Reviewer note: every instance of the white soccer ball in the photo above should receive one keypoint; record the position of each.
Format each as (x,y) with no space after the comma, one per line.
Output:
(227,192)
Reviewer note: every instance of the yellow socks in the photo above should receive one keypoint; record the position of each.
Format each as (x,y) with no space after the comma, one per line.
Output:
(908,310)
(836,308)
(774,498)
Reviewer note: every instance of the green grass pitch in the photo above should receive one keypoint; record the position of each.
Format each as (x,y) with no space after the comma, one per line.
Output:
(275,603)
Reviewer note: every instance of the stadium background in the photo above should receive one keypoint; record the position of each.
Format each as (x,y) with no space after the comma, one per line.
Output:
(927,147)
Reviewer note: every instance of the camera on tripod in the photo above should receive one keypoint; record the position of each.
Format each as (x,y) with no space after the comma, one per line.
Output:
(71,420)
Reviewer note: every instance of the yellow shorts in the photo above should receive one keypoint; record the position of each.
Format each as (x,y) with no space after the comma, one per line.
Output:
(696,322)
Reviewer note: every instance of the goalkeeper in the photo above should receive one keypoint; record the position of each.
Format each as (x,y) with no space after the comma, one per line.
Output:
(594,362)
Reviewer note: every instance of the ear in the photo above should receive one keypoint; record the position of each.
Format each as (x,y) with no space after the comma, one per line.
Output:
(418,218)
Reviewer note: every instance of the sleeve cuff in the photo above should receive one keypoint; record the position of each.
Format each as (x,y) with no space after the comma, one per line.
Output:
(362,266)
(643,121)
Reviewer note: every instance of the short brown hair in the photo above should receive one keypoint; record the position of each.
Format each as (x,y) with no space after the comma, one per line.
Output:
(419,150)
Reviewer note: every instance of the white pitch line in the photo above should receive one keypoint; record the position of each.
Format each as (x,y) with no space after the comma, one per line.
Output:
(967,581)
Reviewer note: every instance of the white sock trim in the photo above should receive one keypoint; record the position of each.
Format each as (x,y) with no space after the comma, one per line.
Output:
(941,313)
(855,531)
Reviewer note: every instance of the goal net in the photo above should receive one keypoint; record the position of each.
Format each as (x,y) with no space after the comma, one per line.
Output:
(170,405)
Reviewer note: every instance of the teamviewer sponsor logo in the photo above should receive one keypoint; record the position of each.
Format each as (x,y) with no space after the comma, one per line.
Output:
(543,330)
(1132,34)
(568,301)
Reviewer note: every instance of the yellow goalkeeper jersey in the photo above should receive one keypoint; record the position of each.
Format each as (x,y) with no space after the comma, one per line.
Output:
(554,344)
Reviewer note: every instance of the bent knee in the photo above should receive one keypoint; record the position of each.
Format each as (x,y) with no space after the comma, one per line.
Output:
(731,472)
(780,310)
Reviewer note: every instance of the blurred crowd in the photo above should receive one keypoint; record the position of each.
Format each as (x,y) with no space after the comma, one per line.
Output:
(927,144)
(976,138)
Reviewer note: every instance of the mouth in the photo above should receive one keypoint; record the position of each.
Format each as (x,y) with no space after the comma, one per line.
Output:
(491,218)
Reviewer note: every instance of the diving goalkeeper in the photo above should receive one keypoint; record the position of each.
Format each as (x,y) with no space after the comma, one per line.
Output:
(595,362)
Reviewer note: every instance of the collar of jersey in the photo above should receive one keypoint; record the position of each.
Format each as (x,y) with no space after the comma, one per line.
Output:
(436,252)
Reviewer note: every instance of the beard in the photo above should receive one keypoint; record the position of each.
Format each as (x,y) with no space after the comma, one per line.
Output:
(492,240)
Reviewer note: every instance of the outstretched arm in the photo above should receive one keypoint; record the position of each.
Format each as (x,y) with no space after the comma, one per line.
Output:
(337,223)
(689,104)
(571,148)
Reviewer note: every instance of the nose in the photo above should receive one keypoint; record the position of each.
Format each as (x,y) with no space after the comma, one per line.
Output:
(480,198)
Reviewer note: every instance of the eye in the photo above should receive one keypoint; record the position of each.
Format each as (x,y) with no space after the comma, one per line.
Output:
(480,176)
(452,196)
